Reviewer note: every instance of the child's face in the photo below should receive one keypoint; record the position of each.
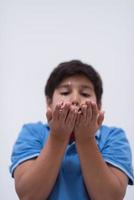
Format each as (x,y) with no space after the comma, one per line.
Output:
(75,89)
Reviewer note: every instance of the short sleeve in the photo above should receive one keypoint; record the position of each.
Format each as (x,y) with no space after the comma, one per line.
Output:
(117,152)
(28,144)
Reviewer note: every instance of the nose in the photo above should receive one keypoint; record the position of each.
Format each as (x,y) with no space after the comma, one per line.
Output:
(75,99)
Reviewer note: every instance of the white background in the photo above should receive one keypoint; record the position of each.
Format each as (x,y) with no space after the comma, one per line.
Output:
(35,36)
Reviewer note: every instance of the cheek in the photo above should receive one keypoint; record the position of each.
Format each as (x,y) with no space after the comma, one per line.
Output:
(58,99)
(61,98)
(93,98)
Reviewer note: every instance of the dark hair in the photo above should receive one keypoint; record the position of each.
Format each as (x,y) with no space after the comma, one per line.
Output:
(70,68)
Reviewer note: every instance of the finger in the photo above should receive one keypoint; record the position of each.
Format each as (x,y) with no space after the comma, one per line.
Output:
(89,110)
(64,112)
(100,118)
(71,118)
(84,111)
(56,112)
(78,119)
(62,105)
(94,111)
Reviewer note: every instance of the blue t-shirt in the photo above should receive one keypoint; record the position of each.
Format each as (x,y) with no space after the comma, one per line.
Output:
(111,141)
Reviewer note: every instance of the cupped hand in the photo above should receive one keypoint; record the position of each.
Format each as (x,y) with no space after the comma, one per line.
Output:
(62,120)
(88,121)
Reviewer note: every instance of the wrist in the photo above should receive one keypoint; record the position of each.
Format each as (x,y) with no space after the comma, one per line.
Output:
(58,138)
(85,140)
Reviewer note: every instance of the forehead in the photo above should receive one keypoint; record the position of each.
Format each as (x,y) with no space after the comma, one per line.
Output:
(76,80)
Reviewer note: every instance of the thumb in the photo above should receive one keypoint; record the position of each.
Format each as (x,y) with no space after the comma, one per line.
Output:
(49,114)
(101,118)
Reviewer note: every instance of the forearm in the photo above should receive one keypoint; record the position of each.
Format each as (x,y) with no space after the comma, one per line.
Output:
(100,182)
(38,180)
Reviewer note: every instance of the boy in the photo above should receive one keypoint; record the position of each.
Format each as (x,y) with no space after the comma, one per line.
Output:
(74,156)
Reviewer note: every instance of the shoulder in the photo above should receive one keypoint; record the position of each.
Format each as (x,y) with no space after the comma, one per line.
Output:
(115,149)
(111,132)
(110,136)
(110,129)
(113,140)
(37,129)
(35,126)
(32,133)
(29,143)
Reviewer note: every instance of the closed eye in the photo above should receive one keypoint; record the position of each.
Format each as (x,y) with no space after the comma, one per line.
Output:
(64,93)
(85,94)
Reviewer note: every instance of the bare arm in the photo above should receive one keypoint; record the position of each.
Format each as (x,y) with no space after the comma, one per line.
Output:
(102,181)
(35,179)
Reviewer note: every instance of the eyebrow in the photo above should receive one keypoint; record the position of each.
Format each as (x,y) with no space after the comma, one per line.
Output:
(81,86)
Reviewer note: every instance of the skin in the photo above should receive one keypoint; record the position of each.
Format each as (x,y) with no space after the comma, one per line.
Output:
(78,106)
(73,108)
